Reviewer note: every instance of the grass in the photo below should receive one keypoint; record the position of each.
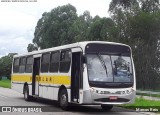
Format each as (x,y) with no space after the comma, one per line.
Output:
(152,95)
(5,83)
(143,104)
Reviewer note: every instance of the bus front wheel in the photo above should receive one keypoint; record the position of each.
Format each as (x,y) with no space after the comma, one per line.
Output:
(63,99)
(106,107)
(27,97)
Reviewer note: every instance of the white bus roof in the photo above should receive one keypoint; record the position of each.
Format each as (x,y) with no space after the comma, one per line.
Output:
(77,44)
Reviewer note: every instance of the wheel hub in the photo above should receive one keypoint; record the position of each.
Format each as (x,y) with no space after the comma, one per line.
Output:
(63,99)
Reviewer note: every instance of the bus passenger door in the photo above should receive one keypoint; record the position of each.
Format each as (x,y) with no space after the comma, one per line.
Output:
(35,77)
(75,76)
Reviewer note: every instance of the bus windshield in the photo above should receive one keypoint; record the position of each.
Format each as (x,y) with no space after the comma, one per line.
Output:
(109,68)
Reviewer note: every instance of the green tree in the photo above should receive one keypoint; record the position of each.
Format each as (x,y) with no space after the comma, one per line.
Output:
(79,29)
(6,65)
(150,6)
(56,27)
(145,31)
(138,26)
(125,5)
(31,47)
(102,29)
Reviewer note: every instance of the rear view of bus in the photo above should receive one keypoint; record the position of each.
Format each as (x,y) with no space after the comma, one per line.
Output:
(110,75)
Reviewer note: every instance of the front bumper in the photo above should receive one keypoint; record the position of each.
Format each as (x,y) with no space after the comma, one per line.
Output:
(90,97)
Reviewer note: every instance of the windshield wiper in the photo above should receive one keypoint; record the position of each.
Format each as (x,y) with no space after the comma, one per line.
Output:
(103,63)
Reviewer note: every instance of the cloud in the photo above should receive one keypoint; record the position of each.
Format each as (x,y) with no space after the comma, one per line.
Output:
(16,30)
(13,45)
(14,22)
(18,20)
(95,7)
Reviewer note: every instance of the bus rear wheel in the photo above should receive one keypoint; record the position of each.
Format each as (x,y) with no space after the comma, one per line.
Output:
(63,99)
(106,107)
(27,97)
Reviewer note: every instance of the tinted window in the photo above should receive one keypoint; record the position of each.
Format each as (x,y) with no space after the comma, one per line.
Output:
(54,65)
(65,61)
(16,61)
(108,49)
(22,64)
(16,65)
(45,62)
(29,64)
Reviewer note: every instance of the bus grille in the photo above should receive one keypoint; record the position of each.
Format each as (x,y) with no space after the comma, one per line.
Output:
(109,100)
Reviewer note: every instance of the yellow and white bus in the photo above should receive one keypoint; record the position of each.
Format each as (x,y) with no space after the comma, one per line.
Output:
(90,72)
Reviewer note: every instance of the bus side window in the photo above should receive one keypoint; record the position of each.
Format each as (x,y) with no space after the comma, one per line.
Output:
(45,62)
(65,61)
(54,64)
(29,64)
(22,64)
(16,65)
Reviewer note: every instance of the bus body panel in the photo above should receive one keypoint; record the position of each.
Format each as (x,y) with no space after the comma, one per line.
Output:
(18,81)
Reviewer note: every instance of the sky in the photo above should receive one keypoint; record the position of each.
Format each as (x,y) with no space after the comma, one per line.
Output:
(19,19)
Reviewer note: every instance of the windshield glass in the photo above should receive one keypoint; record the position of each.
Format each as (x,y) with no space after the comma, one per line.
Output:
(109,68)
(95,68)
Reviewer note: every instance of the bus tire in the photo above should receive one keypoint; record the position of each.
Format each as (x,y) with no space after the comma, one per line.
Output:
(106,107)
(27,97)
(63,99)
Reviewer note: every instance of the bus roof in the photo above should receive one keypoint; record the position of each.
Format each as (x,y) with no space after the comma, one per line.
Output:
(77,44)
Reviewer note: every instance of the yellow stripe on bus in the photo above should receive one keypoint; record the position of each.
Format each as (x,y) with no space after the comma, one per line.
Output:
(22,78)
(66,80)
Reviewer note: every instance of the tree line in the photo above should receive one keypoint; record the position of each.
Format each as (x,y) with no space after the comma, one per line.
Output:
(133,22)
(6,65)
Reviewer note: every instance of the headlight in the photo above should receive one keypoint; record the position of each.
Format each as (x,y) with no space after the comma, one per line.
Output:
(99,92)
(129,91)
(96,91)
(124,92)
